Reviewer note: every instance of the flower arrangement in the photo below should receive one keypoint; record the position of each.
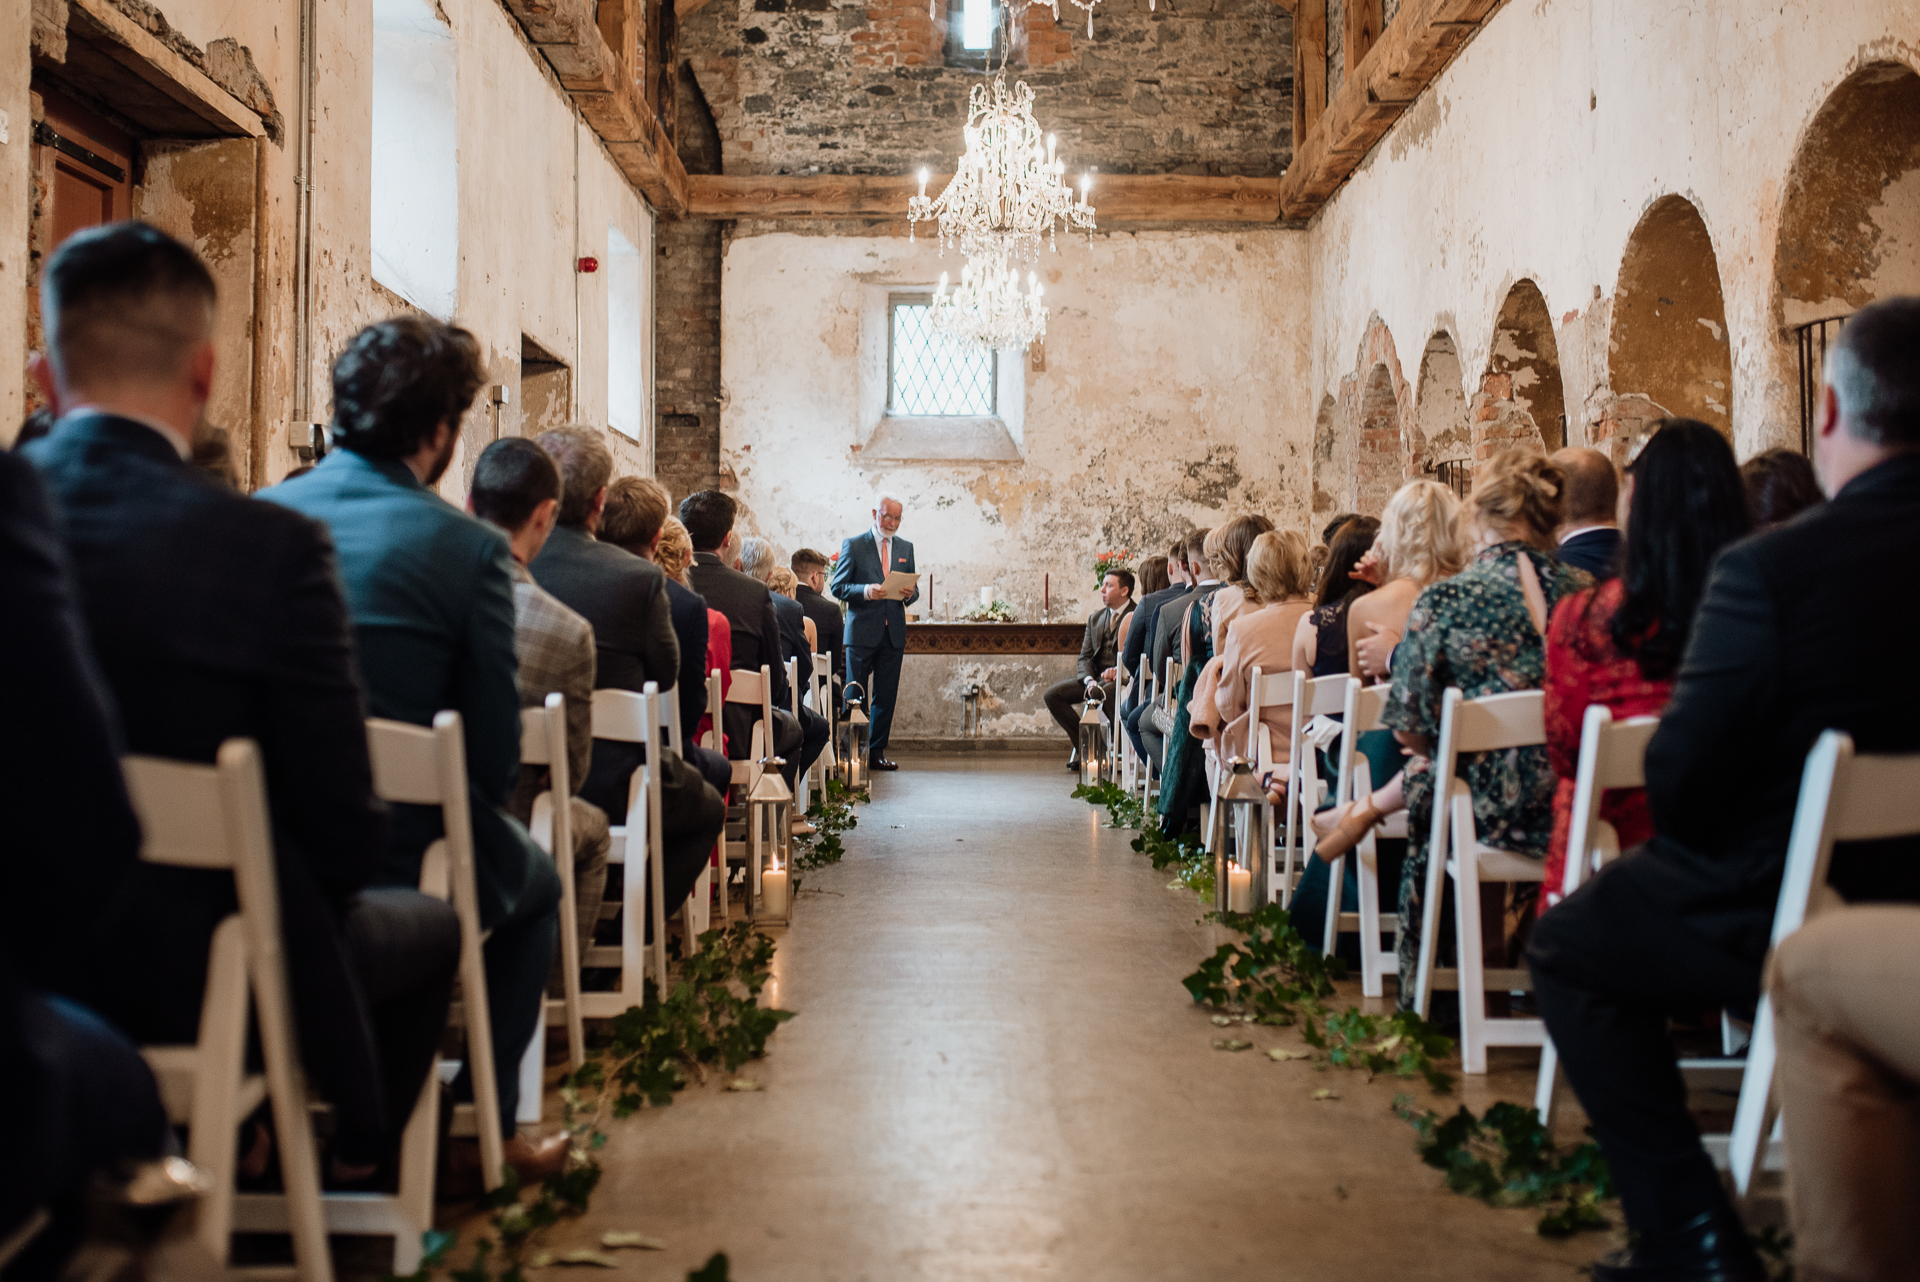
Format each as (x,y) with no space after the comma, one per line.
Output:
(1107,562)
(1001,611)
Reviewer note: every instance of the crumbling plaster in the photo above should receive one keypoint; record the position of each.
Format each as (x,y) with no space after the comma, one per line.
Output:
(16,185)
(1174,393)
(1536,153)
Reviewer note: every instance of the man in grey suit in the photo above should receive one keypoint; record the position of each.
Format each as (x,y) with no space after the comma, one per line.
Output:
(876,627)
(1099,659)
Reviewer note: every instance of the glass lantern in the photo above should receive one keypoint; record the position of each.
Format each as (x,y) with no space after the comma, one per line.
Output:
(850,743)
(1093,743)
(770,818)
(1240,808)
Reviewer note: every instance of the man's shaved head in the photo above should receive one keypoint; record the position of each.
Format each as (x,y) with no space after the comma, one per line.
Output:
(1593,487)
(125,305)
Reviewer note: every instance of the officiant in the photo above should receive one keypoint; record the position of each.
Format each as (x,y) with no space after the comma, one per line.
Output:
(876,626)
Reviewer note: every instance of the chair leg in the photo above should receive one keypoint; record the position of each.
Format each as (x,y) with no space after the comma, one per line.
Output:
(1430,925)
(1336,872)
(1753,1117)
(417,1162)
(1543,1088)
(217,1079)
(1473,994)
(1367,873)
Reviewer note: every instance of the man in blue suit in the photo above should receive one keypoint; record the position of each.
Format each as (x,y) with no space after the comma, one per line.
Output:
(876,630)
(1589,530)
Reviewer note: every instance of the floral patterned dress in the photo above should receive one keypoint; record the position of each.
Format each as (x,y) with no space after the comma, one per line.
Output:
(1473,631)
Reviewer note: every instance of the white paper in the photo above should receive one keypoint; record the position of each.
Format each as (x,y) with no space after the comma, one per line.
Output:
(899,585)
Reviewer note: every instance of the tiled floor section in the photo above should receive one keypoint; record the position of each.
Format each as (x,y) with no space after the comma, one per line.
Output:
(995,1074)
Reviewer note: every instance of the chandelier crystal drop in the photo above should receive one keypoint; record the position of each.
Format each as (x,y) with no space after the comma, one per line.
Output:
(987,309)
(1008,191)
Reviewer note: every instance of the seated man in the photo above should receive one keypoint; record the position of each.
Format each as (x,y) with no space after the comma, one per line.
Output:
(1165,642)
(748,605)
(757,561)
(431,598)
(1682,923)
(810,567)
(84,1099)
(634,519)
(517,487)
(1134,709)
(216,616)
(1098,668)
(625,599)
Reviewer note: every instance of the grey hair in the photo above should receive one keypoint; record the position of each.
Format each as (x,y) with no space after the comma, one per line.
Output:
(881,499)
(756,557)
(1874,376)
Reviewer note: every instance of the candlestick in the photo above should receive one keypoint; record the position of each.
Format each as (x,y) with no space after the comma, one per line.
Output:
(1046,593)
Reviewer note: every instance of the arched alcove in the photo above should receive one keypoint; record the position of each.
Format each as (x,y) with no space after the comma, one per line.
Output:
(1669,339)
(1326,485)
(1380,459)
(1520,398)
(1441,431)
(1850,224)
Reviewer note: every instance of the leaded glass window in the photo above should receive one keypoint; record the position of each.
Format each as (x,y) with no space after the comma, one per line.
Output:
(928,376)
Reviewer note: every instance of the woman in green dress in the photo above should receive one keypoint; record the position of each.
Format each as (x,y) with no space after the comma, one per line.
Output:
(1482,630)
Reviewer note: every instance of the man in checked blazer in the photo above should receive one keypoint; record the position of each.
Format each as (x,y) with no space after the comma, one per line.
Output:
(876,628)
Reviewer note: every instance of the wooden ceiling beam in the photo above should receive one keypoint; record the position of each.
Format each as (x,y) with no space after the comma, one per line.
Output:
(1415,48)
(1127,198)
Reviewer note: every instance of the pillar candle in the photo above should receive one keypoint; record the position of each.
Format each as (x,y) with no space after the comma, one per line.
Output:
(986,595)
(1239,889)
(773,891)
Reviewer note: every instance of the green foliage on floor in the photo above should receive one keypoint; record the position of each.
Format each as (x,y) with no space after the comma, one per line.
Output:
(715,1270)
(712,1017)
(1192,866)
(1271,976)
(831,814)
(1507,1158)
(1401,1043)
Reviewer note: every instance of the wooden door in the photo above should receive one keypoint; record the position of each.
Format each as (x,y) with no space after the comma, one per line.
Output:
(87,166)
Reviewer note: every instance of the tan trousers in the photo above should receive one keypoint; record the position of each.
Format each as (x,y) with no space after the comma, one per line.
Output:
(1846,998)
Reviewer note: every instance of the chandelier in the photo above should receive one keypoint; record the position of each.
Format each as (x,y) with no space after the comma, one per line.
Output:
(988,310)
(1007,192)
(1088,5)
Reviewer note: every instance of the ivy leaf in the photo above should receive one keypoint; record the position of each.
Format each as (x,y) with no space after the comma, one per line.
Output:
(1325,1093)
(1284,1055)
(1230,1044)
(638,1241)
(599,1259)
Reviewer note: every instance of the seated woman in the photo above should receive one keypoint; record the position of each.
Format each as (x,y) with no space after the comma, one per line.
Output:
(674,555)
(1320,642)
(787,584)
(1619,644)
(1483,631)
(1231,601)
(1420,543)
(1261,637)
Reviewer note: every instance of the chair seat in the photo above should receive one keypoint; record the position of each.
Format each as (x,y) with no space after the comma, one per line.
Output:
(174,1070)
(1500,865)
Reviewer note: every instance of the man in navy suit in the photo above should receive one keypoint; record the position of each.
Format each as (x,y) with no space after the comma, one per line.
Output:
(1589,532)
(876,631)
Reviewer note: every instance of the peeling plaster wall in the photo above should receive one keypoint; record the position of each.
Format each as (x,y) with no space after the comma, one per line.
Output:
(16,185)
(517,142)
(1537,152)
(1174,393)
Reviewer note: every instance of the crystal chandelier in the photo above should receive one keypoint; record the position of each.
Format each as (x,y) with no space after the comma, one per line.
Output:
(1007,192)
(987,308)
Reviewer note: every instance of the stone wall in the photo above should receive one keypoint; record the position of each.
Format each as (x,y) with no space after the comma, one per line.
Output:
(687,329)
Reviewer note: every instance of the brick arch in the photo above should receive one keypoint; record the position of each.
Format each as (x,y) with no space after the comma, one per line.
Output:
(1440,430)
(1369,454)
(1669,337)
(1521,399)
(1380,454)
(1326,501)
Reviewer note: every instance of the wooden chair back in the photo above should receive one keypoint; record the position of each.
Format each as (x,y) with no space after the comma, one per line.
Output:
(543,742)
(624,716)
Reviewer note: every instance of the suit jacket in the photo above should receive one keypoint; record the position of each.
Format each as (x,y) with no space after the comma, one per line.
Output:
(1099,644)
(830,623)
(748,605)
(67,867)
(792,616)
(871,622)
(430,593)
(689,614)
(214,616)
(555,650)
(1145,620)
(1593,551)
(1792,638)
(1166,628)
(624,597)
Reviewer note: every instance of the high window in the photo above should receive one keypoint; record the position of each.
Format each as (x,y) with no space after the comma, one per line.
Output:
(926,375)
(973,33)
(416,192)
(627,342)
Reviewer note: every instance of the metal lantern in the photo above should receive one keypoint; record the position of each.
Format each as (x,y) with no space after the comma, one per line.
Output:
(1240,808)
(850,745)
(770,816)
(1093,743)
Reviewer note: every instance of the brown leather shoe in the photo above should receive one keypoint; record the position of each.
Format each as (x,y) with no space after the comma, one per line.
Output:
(535,1160)
(1349,832)
(532,1160)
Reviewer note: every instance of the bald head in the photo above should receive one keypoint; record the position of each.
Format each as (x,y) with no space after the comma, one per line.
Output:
(1593,487)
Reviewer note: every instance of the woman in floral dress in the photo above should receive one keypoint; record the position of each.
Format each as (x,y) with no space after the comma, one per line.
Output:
(1482,630)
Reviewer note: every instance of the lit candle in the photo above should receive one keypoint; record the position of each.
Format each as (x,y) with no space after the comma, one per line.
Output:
(1239,889)
(1049,149)
(1046,593)
(773,891)
(1086,184)
(923,184)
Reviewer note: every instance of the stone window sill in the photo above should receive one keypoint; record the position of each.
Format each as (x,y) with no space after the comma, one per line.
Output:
(954,439)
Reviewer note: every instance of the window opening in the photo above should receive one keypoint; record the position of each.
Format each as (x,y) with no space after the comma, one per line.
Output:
(626,337)
(930,376)
(416,190)
(976,25)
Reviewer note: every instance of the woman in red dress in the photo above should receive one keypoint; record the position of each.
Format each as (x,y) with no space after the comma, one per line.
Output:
(1619,644)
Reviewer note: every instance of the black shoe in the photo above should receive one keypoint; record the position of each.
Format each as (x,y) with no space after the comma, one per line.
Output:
(1073,764)
(1713,1248)
(881,763)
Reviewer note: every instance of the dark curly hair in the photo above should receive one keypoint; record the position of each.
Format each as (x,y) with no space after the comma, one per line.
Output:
(397,381)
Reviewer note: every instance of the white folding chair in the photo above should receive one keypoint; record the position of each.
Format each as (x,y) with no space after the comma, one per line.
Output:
(196,816)
(1613,754)
(803,794)
(416,766)
(625,717)
(1267,690)
(1364,706)
(1147,774)
(1491,724)
(1318,697)
(543,742)
(752,689)
(1843,797)
(820,695)
(1169,696)
(696,911)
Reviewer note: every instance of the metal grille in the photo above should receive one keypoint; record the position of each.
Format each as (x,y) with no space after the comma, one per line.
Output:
(1455,474)
(1812,339)
(927,375)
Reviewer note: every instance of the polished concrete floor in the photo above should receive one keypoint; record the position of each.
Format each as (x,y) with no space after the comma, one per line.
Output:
(995,1074)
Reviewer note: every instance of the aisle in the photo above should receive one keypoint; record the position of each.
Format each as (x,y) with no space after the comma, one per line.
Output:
(994,1074)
